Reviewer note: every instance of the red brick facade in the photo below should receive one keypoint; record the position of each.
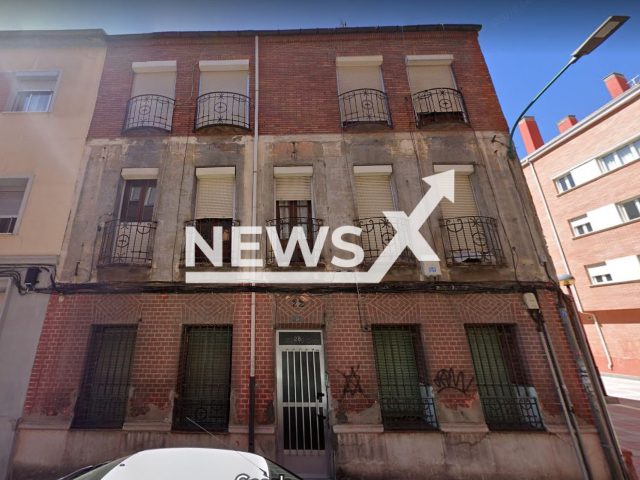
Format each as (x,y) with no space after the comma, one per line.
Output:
(59,362)
(298,83)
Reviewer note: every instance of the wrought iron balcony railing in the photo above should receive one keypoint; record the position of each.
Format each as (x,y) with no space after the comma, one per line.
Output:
(365,105)
(149,111)
(402,413)
(127,243)
(204,226)
(511,412)
(471,241)
(222,109)
(439,105)
(377,233)
(284,227)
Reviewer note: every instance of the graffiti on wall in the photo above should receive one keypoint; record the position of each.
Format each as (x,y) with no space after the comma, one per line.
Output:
(447,378)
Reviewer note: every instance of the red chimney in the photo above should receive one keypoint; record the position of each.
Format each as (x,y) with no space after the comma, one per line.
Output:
(616,84)
(567,122)
(530,134)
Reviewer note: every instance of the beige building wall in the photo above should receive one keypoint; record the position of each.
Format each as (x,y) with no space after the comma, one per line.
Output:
(48,145)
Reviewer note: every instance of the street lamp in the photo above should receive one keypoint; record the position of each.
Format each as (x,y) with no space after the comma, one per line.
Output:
(596,39)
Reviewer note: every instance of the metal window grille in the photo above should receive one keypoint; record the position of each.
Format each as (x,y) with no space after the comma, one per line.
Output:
(127,243)
(472,241)
(284,226)
(364,105)
(102,402)
(406,400)
(149,111)
(377,233)
(204,382)
(439,105)
(205,226)
(508,402)
(223,109)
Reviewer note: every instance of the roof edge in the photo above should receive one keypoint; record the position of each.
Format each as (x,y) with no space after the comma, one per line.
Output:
(85,32)
(444,27)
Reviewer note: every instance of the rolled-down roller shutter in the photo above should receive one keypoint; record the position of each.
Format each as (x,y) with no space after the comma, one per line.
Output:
(465,204)
(374,195)
(354,78)
(231,81)
(215,197)
(293,188)
(154,83)
(425,77)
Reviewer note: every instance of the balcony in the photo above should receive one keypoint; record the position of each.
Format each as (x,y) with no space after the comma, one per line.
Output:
(439,105)
(127,243)
(471,241)
(222,109)
(204,226)
(149,111)
(364,106)
(377,233)
(284,226)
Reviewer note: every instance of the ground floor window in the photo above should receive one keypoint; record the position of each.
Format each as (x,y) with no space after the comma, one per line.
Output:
(405,398)
(102,402)
(204,380)
(508,400)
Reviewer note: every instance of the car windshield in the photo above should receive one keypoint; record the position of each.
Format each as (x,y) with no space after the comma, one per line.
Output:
(96,473)
(277,472)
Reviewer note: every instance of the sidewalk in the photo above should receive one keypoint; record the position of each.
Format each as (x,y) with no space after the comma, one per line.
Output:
(626,415)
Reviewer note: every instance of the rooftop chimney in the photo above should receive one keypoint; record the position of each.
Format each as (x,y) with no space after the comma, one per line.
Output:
(567,122)
(616,84)
(530,134)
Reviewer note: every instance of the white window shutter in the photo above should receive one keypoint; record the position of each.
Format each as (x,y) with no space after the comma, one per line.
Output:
(234,81)
(374,195)
(154,83)
(354,78)
(215,197)
(425,77)
(293,188)
(10,203)
(465,204)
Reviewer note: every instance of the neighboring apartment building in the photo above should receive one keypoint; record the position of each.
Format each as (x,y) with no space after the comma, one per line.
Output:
(48,88)
(441,369)
(585,185)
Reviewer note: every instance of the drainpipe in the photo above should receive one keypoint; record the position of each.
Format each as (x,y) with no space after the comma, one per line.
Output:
(254,221)
(574,291)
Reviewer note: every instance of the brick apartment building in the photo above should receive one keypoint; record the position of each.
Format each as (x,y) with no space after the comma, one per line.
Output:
(585,184)
(48,87)
(439,370)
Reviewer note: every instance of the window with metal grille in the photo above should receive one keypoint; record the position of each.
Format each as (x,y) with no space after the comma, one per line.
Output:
(508,402)
(204,381)
(102,402)
(406,400)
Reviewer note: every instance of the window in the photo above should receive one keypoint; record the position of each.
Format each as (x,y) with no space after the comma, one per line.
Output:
(294,207)
(508,402)
(204,382)
(224,89)
(581,225)
(12,201)
(215,207)
(600,273)
(361,90)
(602,278)
(630,210)
(102,402)
(620,157)
(152,96)
(33,91)
(138,200)
(565,183)
(406,400)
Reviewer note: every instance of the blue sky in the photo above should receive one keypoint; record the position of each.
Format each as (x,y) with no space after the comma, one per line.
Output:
(525,42)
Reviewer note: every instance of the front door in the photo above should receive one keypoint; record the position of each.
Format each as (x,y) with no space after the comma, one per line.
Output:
(302,403)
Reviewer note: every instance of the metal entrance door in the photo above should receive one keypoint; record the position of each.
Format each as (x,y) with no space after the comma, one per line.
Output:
(302,403)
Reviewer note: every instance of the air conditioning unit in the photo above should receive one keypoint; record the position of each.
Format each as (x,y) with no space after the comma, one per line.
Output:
(430,269)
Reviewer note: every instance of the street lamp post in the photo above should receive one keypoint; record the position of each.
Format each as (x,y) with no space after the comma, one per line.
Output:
(596,39)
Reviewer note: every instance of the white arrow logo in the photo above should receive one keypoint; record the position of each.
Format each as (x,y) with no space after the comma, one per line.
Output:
(407,235)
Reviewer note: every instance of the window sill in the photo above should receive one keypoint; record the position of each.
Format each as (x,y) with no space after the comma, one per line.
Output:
(17,113)
(595,178)
(612,227)
(613,283)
